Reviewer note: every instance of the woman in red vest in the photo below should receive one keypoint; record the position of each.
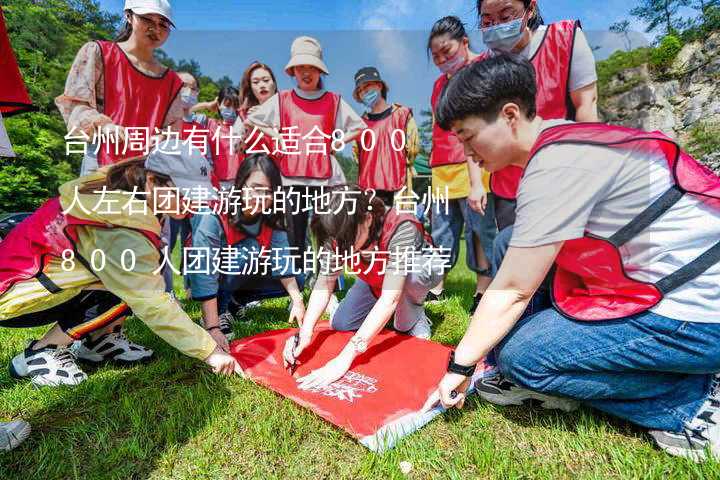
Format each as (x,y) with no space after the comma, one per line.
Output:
(87,259)
(117,94)
(630,225)
(396,267)
(386,150)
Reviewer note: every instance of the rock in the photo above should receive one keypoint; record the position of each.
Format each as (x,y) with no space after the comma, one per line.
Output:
(712,160)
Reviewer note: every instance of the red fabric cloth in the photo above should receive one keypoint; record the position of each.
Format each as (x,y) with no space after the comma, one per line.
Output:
(389,382)
(13,95)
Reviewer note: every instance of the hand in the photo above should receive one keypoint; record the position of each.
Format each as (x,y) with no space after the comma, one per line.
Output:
(451,382)
(222,363)
(220,339)
(477,200)
(331,372)
(297,312)
(292,352)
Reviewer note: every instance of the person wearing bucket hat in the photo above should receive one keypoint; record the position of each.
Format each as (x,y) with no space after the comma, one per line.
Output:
(103,267)
(386,149)
(107,78)
(309,115)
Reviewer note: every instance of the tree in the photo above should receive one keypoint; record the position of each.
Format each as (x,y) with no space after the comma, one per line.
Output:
(659,15)
(623,28)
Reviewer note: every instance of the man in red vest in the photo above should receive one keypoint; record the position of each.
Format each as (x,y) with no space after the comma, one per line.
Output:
(630,223)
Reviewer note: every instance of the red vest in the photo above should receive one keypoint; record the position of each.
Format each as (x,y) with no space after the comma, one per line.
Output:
(372,272)
(552,64)
(590,281)
(133,99)
(298,117)
(383,166)
(446,148)
(47,233)
(234,235)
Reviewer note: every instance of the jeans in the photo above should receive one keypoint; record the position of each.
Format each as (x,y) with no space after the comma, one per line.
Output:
(648,369)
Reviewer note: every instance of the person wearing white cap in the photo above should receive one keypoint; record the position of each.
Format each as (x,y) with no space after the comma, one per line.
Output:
(307,110)
(120,85)
(103,267)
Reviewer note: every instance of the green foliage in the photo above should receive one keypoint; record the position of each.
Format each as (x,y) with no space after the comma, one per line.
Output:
(663,56)
(704,139)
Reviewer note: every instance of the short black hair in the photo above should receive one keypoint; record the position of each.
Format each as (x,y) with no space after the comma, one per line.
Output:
(484,87)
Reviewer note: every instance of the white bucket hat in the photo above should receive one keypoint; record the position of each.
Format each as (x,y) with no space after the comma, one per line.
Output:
(143,7)
(306,51)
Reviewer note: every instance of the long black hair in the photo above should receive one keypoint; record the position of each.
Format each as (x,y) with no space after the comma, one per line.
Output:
(533,22)
(450,25)
(259,162)
(342,225)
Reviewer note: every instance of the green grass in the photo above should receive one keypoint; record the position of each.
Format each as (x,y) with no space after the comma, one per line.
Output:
(171,418)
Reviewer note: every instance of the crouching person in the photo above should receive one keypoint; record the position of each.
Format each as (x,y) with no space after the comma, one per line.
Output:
(86,259)
(251,247)
(396,267)
(631,225)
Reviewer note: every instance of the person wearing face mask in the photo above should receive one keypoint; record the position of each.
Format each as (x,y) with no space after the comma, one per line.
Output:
(450,48)
(385,150)
(117,85)
(566,82)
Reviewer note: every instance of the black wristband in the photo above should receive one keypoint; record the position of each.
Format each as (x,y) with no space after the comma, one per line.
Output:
(459,369)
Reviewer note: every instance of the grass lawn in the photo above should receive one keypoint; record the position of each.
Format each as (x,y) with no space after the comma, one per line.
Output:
(171,418)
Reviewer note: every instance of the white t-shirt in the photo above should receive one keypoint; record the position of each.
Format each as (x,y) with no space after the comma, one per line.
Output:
(567,190)
(268,115)
(582,65)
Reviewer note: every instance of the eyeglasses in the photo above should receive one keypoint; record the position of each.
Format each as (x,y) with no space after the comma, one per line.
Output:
(163,25)
(506,16)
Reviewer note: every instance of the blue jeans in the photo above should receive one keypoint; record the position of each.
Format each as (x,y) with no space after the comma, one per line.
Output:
(651,370)
(447,229)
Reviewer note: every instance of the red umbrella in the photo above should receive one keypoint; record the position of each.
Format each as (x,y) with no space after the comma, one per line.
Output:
(13,95)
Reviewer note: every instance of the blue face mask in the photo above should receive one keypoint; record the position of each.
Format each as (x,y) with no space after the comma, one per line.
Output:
(228,114)
(504,37)
(370,98)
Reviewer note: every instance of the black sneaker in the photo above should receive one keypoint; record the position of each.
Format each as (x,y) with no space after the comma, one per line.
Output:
(476,302)
(499,390)
(48,366)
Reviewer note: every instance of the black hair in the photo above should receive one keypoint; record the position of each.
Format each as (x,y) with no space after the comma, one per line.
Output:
(484,87)
(534,22)
(450,25)
(229,93)
(126,30)
(262,162)
(342,226)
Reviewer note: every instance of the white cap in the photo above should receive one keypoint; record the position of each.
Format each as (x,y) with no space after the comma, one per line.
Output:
(143,7)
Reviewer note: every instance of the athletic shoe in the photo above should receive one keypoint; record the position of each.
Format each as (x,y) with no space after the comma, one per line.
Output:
(13,434)
(435,297)
(48,366)
(225,322)
(421,329)
(114,346)
(501,391)
(700,437)
(332,307)
(476,302)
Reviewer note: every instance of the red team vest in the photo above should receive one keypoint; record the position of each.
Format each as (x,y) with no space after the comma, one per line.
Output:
(590,280)
(446,148)
(370,272)
(300,116)
(47,233)
(133,99)
(552,63)
(383,167)
(234,235)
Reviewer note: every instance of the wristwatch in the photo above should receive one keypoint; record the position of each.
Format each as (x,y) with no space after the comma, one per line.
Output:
(359,344)
(459,369)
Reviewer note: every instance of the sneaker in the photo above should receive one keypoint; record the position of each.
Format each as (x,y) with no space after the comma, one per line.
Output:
(114,346)
(421,329)
(476,302)
(499,390)
(48,366)
(433,297)
(700,437)
(225,322)
(13,434)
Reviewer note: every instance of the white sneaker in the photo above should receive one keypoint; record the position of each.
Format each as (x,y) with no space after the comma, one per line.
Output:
(113,346)
(49,366)
(225,322)
(422,328)
(332,307)
(13,434)
(499,390)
